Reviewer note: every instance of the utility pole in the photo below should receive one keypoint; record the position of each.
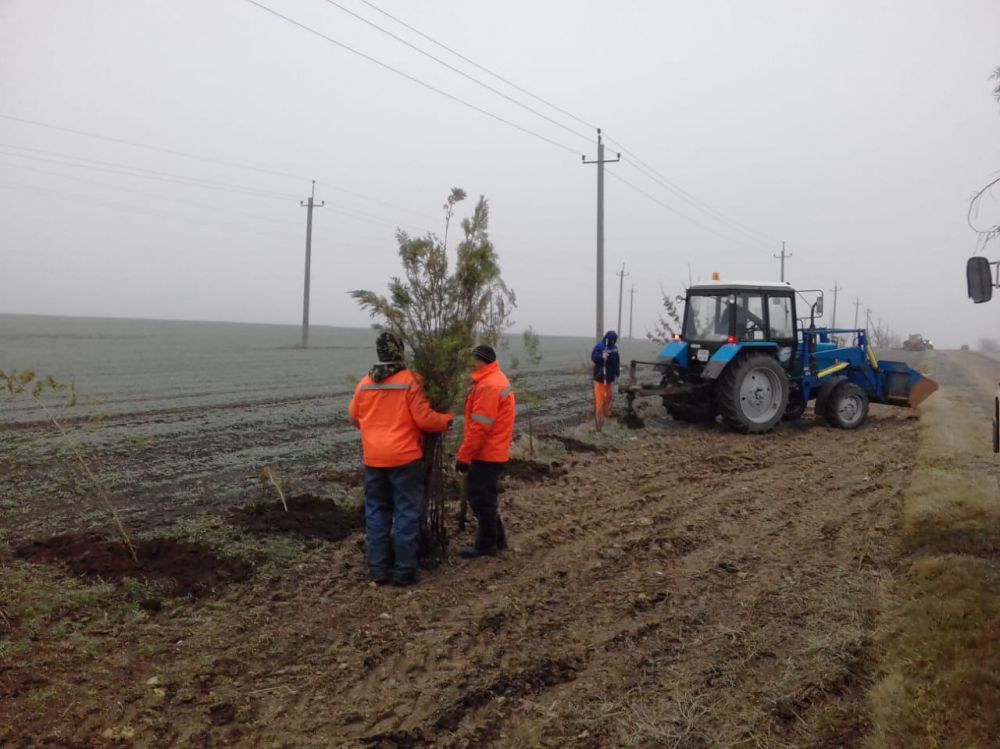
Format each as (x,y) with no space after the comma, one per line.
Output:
(857,306)
(631,308)
(782,256)
(310,204)
(621,285)
(600,161)
(835,289)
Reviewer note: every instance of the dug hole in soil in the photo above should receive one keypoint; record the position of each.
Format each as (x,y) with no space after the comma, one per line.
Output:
(307,516)
(531,471)
(174,567)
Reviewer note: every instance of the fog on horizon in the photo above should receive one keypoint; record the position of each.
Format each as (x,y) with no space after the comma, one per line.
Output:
(854,133)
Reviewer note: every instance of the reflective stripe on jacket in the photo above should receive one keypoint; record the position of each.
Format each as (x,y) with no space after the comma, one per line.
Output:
(489,417)
(393,415)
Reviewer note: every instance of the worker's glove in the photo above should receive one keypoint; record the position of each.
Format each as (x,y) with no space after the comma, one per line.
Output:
(461,467)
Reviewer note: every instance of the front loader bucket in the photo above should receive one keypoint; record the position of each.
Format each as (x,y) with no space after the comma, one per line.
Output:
(904,386)
(922,390)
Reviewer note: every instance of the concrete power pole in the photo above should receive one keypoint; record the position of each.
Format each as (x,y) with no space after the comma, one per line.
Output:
(782,256)
(835,289)
(857,306)
(621,286)
(600,161)
(631,308)
(310,204)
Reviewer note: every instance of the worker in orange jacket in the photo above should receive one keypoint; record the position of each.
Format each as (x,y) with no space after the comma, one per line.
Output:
(392,412)
(489,428)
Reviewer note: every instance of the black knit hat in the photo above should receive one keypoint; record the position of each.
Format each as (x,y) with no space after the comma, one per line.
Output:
(389,348)
(485,353)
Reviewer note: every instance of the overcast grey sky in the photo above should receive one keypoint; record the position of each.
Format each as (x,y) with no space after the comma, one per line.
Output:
(855,131)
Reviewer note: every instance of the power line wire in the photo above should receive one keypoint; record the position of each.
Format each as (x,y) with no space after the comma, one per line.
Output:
(188,219)
(480,67)
(461,72)
(159,196)
(414,79)
(148,147)
(673,210)
(362,216)
(706,209)
(197,157)
(651,173)
(80,162)
(635,161)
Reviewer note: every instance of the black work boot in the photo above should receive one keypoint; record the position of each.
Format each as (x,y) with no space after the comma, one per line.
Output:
(501,535)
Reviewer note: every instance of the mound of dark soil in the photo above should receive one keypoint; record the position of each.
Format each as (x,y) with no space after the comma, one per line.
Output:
(308,516)
(532,471)
(173,567)
(574,445)
(344,477)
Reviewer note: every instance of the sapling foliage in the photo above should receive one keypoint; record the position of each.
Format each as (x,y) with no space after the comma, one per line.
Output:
(25,383)
(441,306)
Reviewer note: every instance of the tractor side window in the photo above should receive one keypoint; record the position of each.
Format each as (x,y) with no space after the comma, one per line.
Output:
(707,318)
(750,317)
(782,321)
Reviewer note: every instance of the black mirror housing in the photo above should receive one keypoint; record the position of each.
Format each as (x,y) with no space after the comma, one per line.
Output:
(979,279)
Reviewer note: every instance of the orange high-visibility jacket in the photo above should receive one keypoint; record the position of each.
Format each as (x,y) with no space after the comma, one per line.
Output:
(489,417)
(392,415)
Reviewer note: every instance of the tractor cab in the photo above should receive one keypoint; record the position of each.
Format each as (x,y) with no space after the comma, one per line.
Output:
(718,314)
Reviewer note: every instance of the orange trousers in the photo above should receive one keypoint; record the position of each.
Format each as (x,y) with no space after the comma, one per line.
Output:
(603,392)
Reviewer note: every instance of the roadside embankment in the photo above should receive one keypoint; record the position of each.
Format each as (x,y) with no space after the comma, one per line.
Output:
(940,632)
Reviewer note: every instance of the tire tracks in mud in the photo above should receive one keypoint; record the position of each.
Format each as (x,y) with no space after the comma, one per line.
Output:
(694,568)
(692,582)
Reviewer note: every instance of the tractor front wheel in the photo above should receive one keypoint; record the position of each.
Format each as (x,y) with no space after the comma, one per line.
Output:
(847,406)
(752,393)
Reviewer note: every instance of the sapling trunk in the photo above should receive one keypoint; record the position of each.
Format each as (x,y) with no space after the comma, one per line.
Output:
(90,474)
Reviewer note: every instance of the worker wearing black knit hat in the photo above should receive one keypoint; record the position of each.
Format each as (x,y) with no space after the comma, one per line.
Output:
(392,412)
(489,428)
(485,354)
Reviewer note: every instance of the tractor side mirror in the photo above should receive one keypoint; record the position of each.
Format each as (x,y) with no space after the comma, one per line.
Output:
(979,279)
(819,306)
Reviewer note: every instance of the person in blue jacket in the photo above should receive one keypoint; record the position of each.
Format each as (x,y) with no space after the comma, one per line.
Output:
(607,368)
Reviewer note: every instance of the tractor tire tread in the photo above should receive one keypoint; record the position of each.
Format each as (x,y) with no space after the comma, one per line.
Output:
(728,385)
(843,390)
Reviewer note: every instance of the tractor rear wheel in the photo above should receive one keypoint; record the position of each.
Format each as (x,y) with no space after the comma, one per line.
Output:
(752,393)
(847,406)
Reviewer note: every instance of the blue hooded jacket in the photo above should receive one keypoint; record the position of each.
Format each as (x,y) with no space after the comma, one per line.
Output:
(606,368)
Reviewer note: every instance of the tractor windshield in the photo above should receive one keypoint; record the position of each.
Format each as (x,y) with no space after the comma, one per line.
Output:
(706,317)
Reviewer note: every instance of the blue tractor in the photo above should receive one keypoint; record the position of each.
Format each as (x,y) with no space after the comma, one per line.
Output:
(744,353)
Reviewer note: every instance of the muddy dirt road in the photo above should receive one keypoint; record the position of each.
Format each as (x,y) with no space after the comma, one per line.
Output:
(687,588)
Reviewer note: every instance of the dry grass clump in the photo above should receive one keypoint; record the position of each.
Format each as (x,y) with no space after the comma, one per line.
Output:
(940,634)
(942,650)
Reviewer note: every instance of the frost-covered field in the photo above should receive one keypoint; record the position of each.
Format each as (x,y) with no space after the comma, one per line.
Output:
(186,412)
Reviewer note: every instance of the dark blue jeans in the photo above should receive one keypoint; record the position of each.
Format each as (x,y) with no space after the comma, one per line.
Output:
(394,500)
